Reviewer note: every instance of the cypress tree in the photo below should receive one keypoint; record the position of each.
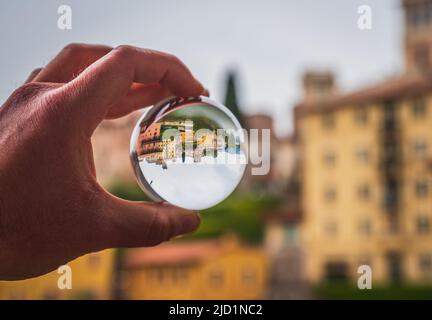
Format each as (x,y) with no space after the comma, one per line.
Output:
(231,101)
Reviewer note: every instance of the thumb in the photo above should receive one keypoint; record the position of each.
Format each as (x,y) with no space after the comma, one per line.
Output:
(140,224)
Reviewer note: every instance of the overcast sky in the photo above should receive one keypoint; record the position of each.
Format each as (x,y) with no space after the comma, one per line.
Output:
(269,43)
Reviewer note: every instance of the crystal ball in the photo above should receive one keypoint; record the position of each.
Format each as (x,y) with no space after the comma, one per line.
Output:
(189,152)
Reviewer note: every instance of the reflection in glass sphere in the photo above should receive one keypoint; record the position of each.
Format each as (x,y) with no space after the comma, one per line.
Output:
(188,152)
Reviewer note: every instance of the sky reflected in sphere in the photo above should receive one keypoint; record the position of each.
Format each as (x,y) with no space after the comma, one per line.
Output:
(188,152)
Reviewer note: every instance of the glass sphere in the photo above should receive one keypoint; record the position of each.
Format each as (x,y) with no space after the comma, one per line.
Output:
(189,152)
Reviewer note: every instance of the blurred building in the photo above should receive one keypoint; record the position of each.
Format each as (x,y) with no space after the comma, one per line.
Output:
(281,242)
(367,186)
(285,251)
(418,38)
(261,182)
(91,279)
(111,149)
(207,269)
(282,239)
(286,168)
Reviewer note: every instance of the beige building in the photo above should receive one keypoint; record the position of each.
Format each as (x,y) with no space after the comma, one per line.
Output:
(366,174)
(111,142)
(268,181)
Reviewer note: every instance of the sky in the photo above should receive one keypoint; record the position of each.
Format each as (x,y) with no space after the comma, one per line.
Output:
(268,43)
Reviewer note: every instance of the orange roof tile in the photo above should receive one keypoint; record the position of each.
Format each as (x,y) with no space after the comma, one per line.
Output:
(172,253)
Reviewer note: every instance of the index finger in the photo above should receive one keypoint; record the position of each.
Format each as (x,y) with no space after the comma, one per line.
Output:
(107,81)
(70,61)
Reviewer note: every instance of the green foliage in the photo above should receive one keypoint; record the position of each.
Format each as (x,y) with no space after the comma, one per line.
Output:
(349,291)
(241,214)
(84,295)
(199,122)
(128,191)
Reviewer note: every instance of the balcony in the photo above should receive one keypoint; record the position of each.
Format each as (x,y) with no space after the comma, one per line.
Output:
(391,197)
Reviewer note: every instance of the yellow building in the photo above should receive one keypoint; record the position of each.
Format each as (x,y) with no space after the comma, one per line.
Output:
(216,269)
(92,277)
(367,179)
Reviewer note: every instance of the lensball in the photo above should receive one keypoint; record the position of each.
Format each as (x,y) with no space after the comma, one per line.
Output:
(189,152)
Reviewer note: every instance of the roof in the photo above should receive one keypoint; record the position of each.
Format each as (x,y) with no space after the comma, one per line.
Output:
(391,89)
(259,121)
(172,253)
(259,116)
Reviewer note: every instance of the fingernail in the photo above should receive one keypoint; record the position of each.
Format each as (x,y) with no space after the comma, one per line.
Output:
(206,92)
(179,236)
(190,221)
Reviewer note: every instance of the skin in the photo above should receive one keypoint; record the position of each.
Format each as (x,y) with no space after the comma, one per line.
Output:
(52,209)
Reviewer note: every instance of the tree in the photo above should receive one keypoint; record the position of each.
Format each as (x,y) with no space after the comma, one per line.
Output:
(231,96)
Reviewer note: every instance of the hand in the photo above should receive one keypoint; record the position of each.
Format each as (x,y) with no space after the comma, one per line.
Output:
(52,209)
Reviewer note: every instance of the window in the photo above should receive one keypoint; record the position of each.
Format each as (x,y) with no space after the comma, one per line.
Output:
(419,108)
(391,199)
(390,118)
(420,15)
(336,270)
(216,277)
(362,154)
(394,265)
(420,148)
(361,115)
(425,264)
(179,274)
(94,260)
(393,226)
(415,17)
(421,57)
(328,120)
(330,228)
(323,88)
(389,111)
(390,153)
(421,188)
(330,194)
(423,225)
(365,259)
(365,228)
(364,192)
(248,276)
(329,158)
(159,275)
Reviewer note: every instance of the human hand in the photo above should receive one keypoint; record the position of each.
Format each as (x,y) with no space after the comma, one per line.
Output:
(52,209)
